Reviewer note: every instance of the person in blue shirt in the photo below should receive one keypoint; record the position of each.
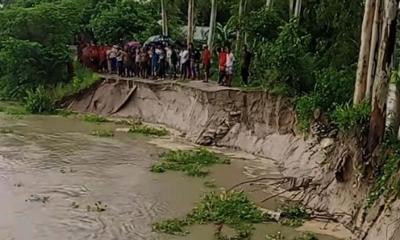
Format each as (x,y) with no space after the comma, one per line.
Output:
(154,63)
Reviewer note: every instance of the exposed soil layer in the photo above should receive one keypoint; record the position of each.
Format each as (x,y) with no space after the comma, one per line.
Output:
(322,171)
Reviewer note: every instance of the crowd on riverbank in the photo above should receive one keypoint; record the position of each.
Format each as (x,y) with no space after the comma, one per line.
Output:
(161,61)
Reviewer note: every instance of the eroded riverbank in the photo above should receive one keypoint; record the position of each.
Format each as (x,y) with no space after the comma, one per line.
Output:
(56,158)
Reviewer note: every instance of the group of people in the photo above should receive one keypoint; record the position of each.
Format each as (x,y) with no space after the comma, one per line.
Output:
(162,60)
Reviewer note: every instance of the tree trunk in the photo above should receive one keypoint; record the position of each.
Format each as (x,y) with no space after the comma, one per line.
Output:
(373,45)
(393,108)
(268,4)
(213,23)
(190,30)
(164,18)
(291,8)
(297,9)
(383,68)
(242,4)
(365,49)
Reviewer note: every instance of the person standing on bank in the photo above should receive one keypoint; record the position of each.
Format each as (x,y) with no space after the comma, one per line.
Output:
(206,57)
(247,57)
(230,61)
(221,66)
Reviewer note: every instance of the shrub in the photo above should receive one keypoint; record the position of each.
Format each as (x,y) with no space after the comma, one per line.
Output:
(94,118)
(286,61)
(103,133)
(332,88)
(38,101)
(147,130)
(230,208)
(83,79)
(294,215)
(349,117)
(27,65)
(190,162)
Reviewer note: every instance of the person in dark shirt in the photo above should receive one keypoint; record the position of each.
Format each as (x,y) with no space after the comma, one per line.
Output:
(247,57)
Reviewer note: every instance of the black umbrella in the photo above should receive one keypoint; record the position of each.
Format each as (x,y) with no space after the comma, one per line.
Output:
(159,40)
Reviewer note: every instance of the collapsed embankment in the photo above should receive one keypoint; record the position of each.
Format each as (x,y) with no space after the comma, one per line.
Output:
(323,169)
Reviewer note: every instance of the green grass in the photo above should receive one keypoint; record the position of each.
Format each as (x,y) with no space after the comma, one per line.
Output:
(94,118)
(279,236)
(65,112)
(83,79)
(6,131)
(147,130)
(16,110)
(275,236)
(210,184)
(294,215)
(229,208)
(102,133)
(306,236)
(192,162)
(171,226)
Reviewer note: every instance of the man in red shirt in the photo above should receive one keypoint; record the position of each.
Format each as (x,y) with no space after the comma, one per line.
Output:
(222,66)
(206,55)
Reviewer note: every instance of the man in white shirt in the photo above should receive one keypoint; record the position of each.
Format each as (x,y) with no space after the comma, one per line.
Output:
(230,61)
(184,56)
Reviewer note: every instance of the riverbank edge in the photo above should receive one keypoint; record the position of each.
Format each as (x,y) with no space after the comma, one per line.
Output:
(322,172)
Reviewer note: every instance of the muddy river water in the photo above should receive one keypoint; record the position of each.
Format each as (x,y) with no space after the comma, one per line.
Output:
(52,169)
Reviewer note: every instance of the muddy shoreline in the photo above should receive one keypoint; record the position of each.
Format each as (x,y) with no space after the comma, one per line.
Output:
(255,122)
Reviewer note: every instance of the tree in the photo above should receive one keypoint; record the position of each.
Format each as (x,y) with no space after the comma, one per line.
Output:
(268,3)
(126,20)
(365,49)
(242,8)
(164,18)
(190,28)
(297,9)
(375,61)
(213,24)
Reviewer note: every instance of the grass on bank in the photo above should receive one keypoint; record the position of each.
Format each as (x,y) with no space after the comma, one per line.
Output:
(146,130)
(191,162)
(6,131)
(43,99)
(102,133)
(294,215)
(226,208)
(94,118)
(279,236)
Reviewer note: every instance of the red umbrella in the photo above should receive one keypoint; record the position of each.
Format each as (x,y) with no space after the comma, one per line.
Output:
(133,44)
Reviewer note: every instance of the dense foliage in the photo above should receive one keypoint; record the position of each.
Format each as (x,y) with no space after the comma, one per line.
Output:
(127,20)
(231,208)
(311,58)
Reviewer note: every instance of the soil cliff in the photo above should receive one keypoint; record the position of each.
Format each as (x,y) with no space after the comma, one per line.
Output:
(322,168)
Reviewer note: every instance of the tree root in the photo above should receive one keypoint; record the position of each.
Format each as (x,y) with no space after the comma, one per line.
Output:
(258,180)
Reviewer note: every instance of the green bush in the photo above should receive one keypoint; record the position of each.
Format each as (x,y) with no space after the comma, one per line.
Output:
(125,20)
(147,130)
(285,61)
(192,162)
(83,78)
(27,65)
(231,208)
(263,25)
(102,133)
(38,101)
(94,118)
(332,88)
(349,117)
(294,215)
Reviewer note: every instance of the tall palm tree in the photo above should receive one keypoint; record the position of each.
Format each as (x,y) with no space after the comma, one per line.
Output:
(164,18)
(190,30)
(213,23)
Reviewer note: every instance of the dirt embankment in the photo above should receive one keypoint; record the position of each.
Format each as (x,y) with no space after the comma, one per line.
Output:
(323,170)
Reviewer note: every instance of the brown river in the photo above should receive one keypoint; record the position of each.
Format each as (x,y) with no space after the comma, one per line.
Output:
(52,169)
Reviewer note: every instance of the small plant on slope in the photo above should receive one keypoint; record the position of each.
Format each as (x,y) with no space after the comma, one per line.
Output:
(230,208)
(190,162)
